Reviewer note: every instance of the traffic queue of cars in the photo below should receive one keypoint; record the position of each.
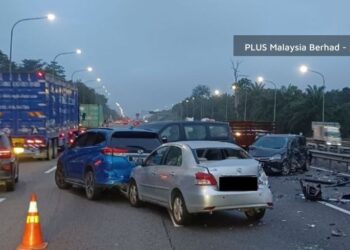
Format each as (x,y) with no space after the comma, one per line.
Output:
(200,171)
(187,167)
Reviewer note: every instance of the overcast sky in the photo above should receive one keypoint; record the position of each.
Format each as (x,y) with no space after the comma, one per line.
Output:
(151,53)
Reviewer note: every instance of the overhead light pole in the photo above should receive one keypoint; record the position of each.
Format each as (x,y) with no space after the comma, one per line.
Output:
(304,69)
(260,79)
(87,69)
(49,17)
(76,52)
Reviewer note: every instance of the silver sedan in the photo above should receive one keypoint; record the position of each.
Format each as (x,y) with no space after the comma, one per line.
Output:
(201,176)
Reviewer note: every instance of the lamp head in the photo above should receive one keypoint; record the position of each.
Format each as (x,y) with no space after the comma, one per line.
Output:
(303,69)
(51,17)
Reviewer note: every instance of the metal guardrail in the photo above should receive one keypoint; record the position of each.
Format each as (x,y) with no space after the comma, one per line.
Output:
(331,158)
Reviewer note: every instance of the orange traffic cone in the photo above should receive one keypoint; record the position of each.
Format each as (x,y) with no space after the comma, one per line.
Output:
(32,237)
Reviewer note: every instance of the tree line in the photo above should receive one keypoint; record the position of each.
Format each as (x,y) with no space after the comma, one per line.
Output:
(87,95)
(295,109)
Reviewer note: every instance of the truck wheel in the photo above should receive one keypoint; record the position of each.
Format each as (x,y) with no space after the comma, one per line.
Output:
(10,185)
(49,151)
(54,148)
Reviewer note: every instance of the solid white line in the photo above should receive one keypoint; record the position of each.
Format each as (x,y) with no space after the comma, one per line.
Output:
(335,207)
(172,219)
(330,171)
(2,199)
(50,170)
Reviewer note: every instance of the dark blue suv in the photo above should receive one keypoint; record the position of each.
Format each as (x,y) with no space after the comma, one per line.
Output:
(103,158)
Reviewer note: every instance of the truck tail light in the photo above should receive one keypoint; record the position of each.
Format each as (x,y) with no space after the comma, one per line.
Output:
(114,151)
(29,141)
(205,179)
(5,153)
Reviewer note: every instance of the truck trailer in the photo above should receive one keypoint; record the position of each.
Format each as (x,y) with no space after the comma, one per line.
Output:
(38,111)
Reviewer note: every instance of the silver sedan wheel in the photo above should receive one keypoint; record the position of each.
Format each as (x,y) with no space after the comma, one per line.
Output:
(178,209)
(133,194)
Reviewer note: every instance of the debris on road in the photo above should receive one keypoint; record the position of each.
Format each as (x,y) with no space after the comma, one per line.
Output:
(311,192)
(337,232)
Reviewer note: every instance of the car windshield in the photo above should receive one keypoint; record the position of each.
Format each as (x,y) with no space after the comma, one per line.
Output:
(273,142)
(134,141)
(219,154)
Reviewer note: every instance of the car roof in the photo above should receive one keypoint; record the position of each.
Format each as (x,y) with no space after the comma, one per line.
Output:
(281,135)
(183,122)
(203,144)
(119,129)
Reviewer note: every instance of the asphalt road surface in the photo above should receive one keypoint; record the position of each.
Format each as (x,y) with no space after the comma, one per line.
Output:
(70,221)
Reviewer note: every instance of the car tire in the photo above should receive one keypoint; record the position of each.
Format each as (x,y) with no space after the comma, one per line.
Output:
(91,191)
(60,178)
(133,195)
(285,170)
(255,214)
(178,210)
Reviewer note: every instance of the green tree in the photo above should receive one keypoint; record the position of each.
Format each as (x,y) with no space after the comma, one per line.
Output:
(201,91)
(31,65)
(55,69)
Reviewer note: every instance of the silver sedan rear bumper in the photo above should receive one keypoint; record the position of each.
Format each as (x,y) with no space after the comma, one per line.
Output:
(207,199)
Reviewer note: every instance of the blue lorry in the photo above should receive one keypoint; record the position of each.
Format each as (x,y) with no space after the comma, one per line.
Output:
(38,111)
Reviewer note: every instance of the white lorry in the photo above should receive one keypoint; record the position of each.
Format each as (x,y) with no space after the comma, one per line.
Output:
(326,135)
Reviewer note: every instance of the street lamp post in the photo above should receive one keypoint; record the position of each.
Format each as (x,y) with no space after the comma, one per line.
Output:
(77,52)
(261,80)
(304,69)
(216,93)
(88,69)
(49,17)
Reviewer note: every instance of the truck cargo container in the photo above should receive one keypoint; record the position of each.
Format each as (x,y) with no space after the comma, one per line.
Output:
(91,115)
(38,111)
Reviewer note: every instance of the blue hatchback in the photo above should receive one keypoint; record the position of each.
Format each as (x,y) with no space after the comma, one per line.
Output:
(103,158)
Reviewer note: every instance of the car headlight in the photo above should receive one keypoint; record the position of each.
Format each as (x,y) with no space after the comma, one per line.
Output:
(339,144)
(328,143)
(262,180)
(276,157)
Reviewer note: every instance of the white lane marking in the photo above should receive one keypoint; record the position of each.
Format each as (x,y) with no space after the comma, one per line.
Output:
(172,219)
(335,207)
(50,170)
(2,199)
(330,171)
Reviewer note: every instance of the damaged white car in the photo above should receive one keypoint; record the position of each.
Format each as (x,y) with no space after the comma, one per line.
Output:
(201,176)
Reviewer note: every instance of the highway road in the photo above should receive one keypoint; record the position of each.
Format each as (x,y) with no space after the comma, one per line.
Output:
(70,221)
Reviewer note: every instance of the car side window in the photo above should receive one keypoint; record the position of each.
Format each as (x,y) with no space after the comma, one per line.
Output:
(195,132)
(174,157)
(80,141)
(157,157)
(99,139)
(172,133)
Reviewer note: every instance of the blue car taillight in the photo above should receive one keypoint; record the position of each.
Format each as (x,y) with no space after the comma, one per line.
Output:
(114,151)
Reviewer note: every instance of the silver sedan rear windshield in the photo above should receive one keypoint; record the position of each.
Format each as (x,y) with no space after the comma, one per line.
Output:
(219,154)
